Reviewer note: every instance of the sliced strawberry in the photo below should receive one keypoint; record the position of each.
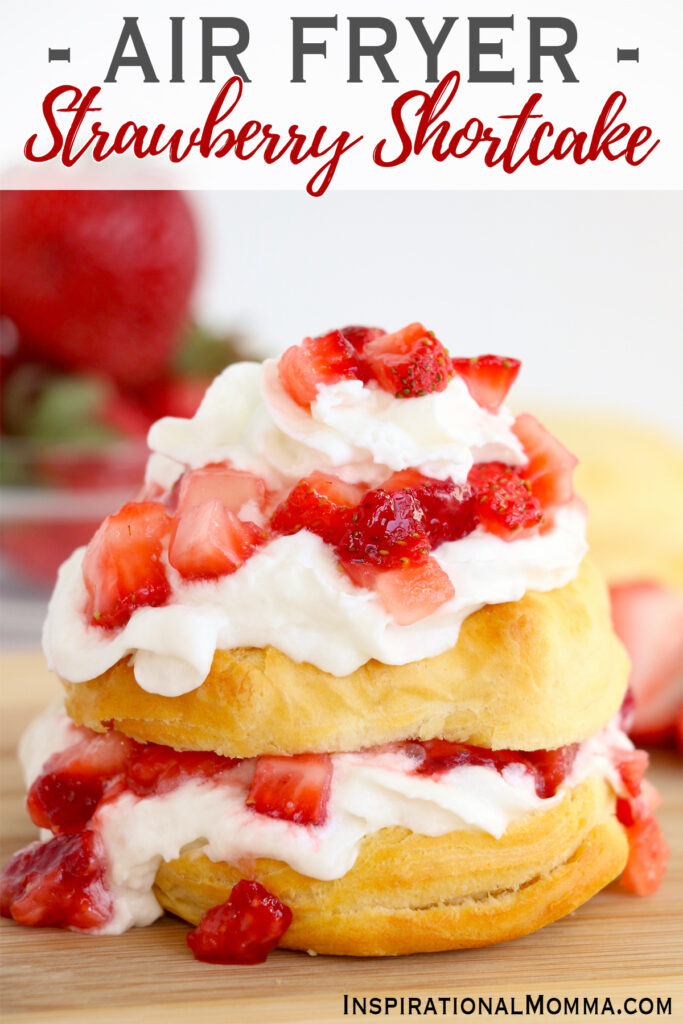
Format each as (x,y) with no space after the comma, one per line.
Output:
(360,336)
(209,540)
(122,567)
(319,361)
(488,378)
(233,487)
(387,530)
(647,857)
(155,769)
(631,765)
(413,592)
(319,503)
(410,362)
(504,502)
(295,788)
(243,930)
(550,469)
(66,793)
(648,618)
(550,767)
(450,508)
(59,883)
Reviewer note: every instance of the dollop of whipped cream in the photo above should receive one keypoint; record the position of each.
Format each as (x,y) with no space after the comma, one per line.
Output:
(291,593)
(371,790)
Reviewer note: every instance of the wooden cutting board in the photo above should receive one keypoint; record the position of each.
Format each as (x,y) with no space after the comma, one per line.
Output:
(618,945)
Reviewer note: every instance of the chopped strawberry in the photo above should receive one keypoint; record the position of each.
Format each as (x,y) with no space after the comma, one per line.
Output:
(243,930)
(155,769)
(59,883)
(414,591)
(504,502)
(295,788)
(318,361)
(209,540)
(362,575)
(488,378)
(360,336)
(404,480)
(233,487)
(387,530)
(548,767)
(450,508)
(631,765)
(648,618)
(648,854)
(67,791)
(122,567)
(410,362)
(550,469)
(319,503)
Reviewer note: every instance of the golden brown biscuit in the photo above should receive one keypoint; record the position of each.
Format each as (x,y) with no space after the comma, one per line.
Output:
(631,477)
(409,893)
(537,673)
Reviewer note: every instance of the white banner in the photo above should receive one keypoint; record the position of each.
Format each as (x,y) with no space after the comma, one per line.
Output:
(409,94)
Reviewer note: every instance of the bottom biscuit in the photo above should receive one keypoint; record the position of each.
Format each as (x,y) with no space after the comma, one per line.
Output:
(408,893)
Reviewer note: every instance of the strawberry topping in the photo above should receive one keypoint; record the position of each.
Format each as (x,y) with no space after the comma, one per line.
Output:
(631,765)
(64,796)
(648,852)
(387,529)
(409,363)
(319,503)
(548,767)
(488,378)
(360,336)
(209,540)
(449,508)
(550,469)
(295,788)
(243,930)
(504,502)
(122,567)
(413,591)
(233,487)
(319,361)
(59,884)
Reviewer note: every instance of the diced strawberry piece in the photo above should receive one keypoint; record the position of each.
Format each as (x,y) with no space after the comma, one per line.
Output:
(387,530)
(319,361)
(361,575)
(504,502)
(647,857)
(243,930)
(488,378)
(296,788)
(209,540)
(404,480)
(156,769)
(360,336)
(59,884)
(550,469)
(450,508)
(413,592)
(550,767)
(631,765)
(319,503)
(69,788)
(233,487)
(648,618)
(122,567)
(410,362)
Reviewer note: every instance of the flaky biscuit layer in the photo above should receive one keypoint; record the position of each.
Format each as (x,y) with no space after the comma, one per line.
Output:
(408,893)
(537,673)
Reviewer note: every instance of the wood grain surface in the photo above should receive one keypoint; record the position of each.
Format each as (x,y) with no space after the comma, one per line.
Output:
(617,945)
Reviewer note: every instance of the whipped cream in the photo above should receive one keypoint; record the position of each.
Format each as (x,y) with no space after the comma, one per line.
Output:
(291,593)
(370,790)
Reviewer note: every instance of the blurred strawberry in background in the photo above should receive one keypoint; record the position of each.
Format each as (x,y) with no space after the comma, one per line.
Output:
(96,342)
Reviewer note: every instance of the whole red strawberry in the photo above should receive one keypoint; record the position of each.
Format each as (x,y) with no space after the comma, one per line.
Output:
(98,280)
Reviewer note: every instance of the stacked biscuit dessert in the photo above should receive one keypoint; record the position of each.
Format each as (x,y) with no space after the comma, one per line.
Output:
(342,679)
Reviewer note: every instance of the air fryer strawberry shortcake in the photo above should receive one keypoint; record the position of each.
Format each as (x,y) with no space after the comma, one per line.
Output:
(342,679)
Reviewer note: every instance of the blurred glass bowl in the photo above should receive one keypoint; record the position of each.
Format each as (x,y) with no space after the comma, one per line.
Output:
(53,498)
